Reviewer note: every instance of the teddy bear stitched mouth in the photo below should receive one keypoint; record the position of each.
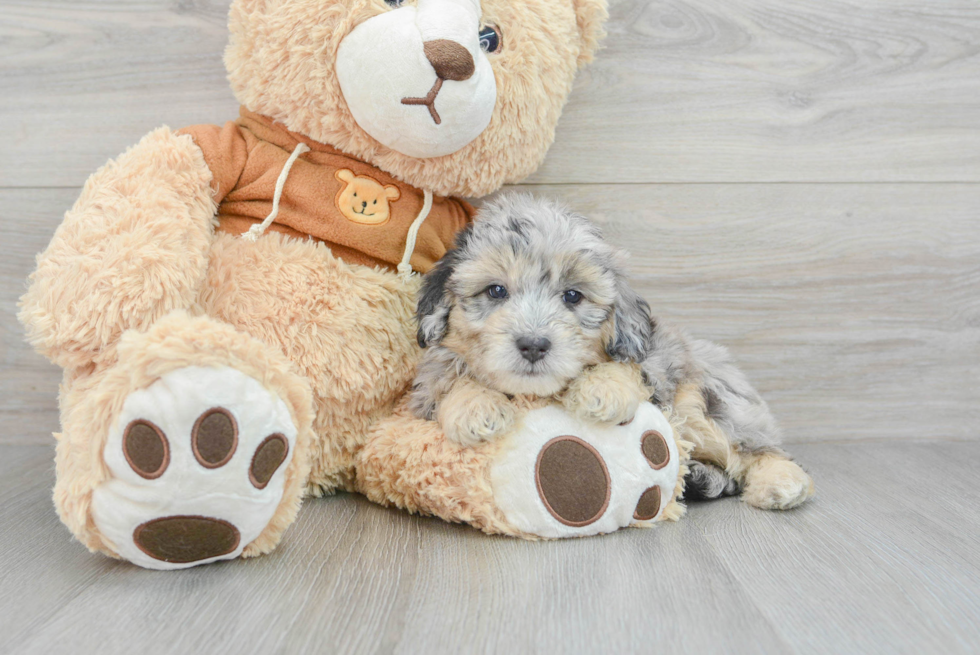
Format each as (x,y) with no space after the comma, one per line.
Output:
(428,101)
(451,61)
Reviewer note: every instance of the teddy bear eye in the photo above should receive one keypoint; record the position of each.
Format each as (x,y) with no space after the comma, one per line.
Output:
(375,201)
(491,39)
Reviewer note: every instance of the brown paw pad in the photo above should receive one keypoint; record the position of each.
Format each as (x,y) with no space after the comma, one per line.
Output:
(573,481)
(185,539)
(146,449)
(268,457)
(214,438)
(649,505)
(655,449)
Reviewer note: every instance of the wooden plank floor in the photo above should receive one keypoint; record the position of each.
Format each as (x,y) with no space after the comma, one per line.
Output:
(884,560)
(684,91)
(797,179)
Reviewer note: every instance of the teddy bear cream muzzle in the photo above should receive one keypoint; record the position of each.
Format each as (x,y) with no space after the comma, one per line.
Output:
(416,79)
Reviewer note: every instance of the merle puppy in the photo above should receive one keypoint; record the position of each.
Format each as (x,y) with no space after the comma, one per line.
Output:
(532,301)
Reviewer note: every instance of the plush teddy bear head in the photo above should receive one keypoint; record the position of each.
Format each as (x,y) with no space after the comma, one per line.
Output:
(454,96)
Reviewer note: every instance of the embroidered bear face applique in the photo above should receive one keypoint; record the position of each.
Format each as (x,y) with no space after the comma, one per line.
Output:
(363,199)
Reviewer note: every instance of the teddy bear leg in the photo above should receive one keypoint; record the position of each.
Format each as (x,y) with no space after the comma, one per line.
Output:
(409,463)
(554,476)
(192,447)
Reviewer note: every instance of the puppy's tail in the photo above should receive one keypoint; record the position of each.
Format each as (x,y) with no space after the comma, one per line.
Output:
(707,482)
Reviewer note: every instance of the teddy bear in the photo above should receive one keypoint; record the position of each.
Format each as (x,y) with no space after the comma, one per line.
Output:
(233,306)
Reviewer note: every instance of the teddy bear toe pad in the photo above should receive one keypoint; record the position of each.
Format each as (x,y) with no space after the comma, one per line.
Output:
(573,481)
(557,476)
(197,463)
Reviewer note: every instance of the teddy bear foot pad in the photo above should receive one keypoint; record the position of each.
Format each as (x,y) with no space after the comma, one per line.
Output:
(198,464)
(561,477)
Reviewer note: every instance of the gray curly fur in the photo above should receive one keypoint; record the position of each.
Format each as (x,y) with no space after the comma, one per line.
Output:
(542,230)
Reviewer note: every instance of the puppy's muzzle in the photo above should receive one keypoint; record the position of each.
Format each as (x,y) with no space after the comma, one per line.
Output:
(533,349)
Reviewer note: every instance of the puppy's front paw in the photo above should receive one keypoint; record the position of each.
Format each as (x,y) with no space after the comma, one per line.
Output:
(476,418)
(608,393)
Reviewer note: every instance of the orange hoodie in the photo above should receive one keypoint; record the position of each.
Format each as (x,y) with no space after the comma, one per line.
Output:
(360,212)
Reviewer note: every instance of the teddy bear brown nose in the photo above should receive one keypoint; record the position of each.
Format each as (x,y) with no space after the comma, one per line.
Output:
(451,60)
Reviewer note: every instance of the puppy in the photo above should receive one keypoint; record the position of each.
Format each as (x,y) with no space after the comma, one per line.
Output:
(532,301)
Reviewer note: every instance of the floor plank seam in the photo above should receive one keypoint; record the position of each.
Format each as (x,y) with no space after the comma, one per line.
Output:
(589,184)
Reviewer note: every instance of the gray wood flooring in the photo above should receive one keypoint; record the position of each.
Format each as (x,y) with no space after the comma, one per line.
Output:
(797,179)
(884,560)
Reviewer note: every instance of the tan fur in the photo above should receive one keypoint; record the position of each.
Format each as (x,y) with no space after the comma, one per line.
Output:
(410,464)
(335,341)
(91,400)
(305,96)
(770,479)
(606,393)
(347,329)
(111,265)
(471,413)
(676,509)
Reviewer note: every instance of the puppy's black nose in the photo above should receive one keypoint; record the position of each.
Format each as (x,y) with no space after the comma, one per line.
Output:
(533,348)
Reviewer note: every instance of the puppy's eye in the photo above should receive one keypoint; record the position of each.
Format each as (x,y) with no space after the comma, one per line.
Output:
(394,3)
(496,291)
(491,38)
(572,297)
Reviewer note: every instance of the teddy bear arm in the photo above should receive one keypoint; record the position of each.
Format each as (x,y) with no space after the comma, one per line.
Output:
(133,248)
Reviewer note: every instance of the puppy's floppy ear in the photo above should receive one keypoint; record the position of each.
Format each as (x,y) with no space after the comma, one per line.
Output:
(631,320)
(434,299)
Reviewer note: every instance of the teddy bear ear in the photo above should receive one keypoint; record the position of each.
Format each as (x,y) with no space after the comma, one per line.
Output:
(392,192)
(591,17)
(345,175)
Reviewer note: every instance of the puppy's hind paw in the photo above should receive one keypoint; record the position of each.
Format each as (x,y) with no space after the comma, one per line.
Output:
(707,482)
(777,483)
(479,418)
